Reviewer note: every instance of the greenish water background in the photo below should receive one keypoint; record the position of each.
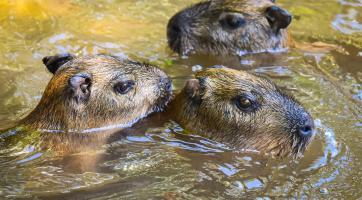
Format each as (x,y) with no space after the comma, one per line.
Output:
(160,162)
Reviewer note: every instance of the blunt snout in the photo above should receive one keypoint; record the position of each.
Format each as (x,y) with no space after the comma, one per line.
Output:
(278,18)
(165,83)
(302,124)
(306,129)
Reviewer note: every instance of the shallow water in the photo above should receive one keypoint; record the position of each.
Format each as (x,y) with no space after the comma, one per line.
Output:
(156,160)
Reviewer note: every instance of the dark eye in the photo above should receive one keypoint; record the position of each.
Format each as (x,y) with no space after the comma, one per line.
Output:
(124,86)
(233,21)
(245,103)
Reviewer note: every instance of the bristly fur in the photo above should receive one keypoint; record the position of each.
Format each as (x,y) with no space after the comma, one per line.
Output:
(57,110)
(270,128)
(197,29)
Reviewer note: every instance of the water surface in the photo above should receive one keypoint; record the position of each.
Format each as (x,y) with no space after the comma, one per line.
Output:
(157,160)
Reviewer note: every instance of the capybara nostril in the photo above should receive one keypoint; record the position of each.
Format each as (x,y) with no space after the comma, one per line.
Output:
(306,130)
(176,29)
(166,83)
(278,18)
(174,32)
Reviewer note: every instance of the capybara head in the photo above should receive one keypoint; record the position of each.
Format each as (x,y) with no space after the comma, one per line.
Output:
(229,27)
(97,91)
(244,110)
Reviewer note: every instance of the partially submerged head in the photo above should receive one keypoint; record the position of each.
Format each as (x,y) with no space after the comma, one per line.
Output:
(229,27)
(96,91)
(244,110)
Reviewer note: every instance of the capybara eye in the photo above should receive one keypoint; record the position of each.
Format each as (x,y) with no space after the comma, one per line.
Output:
(124,87)
(245,103)
(233,21)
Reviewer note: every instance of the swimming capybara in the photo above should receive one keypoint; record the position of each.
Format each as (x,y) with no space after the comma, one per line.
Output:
(229,27)
(244,110)
(99,91)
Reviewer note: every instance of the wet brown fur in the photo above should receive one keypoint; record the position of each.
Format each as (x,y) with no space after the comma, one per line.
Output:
(57,110)
(67,127)
(209,109)
(203,33)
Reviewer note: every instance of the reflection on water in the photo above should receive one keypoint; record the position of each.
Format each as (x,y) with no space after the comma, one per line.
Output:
(165,158)
(351,2)
(347,23)
(157,158)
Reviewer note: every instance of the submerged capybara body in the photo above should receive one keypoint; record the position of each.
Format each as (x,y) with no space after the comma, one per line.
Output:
(97,91)
(87,102)
(245,111)
(229,27)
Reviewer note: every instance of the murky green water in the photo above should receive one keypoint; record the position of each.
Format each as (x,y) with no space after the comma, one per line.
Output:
(156,160)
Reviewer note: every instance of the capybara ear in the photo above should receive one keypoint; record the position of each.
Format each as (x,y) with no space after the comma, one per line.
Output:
(54,62)
(80,87)
(193,90)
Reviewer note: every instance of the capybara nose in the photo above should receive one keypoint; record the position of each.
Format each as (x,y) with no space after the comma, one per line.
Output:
(175,28)
(278,18)
(306,129)
(166,83)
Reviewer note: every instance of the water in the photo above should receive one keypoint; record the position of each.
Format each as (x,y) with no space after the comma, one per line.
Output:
(159,159)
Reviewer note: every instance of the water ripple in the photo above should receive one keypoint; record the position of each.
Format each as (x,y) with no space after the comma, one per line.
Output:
(348,23)
(351,2)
